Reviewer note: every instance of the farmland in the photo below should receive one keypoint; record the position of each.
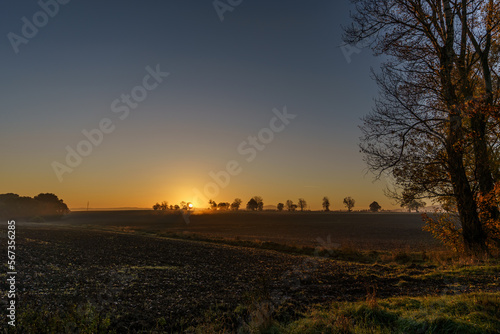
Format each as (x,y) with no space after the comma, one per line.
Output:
(366,231)
(138,271)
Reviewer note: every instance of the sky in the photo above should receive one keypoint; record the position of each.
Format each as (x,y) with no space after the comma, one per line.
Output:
(127,103)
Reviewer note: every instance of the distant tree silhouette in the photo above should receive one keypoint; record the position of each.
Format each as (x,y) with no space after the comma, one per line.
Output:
(280,206)
(289,205)
(252,204)
(302,204)
(236,204)
(349,203)
(183,205)
(415,205)
(410,202)
(163,206)
(13,206)
(259,201)
(255,203)
(375,207)
(44,204)
(294,207)
(326,204)
(213,205)
(51,205)
(223,205)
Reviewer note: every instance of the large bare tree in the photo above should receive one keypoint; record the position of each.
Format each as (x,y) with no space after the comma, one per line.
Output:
(432,129)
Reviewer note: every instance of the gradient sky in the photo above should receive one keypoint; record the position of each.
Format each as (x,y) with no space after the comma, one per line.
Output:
(225,79)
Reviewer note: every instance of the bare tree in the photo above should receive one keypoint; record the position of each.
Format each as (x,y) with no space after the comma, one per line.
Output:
(289,205)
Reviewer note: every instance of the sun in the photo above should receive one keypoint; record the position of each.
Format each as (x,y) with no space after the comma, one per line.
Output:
(190,205)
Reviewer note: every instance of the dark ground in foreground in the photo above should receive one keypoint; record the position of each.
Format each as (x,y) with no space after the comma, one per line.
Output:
(144,282)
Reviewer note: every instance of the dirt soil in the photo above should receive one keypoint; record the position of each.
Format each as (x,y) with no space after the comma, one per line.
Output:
(138,280)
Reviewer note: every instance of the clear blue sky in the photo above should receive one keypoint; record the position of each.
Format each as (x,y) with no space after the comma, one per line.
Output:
(225,78)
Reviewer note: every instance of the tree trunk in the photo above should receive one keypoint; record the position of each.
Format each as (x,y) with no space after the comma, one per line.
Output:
(478,124)
(472,230)
(478,121)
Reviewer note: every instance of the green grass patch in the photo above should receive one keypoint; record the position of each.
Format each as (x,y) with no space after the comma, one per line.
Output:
(468,313)
(475,313)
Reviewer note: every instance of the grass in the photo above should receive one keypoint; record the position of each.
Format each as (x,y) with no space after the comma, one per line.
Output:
(73,318)
(468,313)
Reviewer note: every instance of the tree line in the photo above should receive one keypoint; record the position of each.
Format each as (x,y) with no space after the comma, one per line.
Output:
(45,205)
(256,203)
